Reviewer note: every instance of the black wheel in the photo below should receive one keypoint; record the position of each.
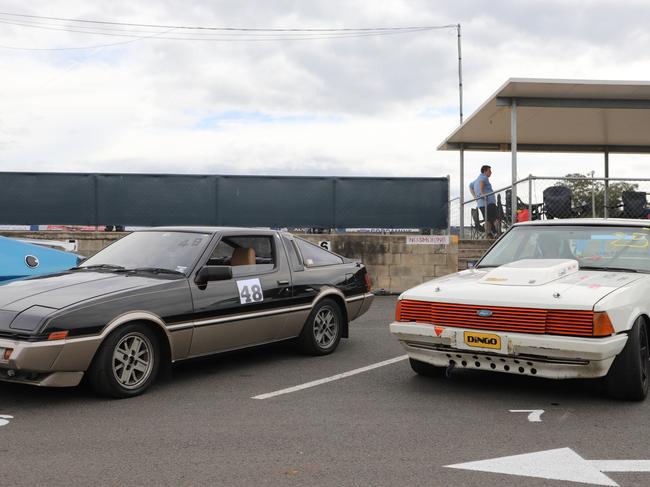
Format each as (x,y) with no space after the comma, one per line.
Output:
(321,333)
(126,363)
(426,369)
(628,376)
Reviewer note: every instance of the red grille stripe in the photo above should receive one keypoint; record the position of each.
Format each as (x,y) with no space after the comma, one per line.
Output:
(522,320)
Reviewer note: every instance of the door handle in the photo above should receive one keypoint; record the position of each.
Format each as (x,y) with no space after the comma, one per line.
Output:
(283,283)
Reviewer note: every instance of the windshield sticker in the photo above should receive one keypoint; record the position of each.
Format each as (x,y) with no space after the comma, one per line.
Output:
(181,268)
(634,240)
(250,291)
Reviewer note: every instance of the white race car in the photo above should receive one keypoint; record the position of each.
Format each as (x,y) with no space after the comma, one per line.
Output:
(559,299)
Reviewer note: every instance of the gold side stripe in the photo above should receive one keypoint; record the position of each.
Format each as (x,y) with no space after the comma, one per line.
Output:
(214,321)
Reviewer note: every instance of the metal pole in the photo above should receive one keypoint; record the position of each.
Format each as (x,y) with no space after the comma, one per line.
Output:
(449,208)
(460,77)
(530,197)
(593,194)
(513,149)
(606,210)
(462,150)
(462,193)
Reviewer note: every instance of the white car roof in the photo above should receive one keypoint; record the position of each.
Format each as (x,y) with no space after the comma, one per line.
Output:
(626,222)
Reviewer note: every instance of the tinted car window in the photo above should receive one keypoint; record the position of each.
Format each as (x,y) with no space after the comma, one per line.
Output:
(246,254)
(313,255)
(292,252)
(167,250)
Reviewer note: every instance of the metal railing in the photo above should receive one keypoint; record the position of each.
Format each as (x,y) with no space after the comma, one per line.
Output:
(547,197)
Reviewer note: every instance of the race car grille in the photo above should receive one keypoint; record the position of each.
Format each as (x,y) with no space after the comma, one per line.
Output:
(499,318)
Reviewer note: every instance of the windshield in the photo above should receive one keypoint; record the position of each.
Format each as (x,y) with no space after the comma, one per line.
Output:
(176,251)
(594,247)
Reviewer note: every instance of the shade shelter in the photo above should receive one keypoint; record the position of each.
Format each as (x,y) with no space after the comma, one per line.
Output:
(545,115)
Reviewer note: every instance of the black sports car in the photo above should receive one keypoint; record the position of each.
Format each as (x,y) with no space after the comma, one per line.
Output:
(167,294)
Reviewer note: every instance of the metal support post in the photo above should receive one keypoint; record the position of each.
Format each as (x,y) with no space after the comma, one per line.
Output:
(513,150)
(448,207)
(530,197)
(593,194)
(462,193)
(462,151)
(606,209)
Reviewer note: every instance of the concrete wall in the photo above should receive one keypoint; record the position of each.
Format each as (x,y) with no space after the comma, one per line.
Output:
(393,265)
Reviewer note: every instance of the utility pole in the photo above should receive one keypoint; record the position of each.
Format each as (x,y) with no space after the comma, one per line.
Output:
(461,175)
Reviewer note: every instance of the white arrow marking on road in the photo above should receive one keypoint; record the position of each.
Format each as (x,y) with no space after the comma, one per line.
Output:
(4,419)
(535,415)
(559,464)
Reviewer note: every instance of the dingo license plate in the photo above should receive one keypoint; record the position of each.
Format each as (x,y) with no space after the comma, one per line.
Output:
(482,340)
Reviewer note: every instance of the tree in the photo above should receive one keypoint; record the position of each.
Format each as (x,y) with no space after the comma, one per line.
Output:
(582,188)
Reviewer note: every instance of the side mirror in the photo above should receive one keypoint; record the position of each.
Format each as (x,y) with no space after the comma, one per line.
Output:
(213,273)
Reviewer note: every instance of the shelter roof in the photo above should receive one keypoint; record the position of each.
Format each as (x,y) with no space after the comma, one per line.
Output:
(560,116)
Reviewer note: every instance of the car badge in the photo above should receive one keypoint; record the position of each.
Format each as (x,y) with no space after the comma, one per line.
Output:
(31,261)
(484,313)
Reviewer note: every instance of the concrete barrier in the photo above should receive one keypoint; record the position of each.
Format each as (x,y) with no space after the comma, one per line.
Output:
(393,264)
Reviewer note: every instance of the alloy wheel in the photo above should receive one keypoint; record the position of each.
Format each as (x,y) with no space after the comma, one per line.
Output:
(132,360)
(326,325)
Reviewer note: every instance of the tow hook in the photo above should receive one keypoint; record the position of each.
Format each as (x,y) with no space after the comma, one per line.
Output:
(449,368)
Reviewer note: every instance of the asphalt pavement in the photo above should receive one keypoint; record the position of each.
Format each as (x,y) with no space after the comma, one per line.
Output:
(384,426)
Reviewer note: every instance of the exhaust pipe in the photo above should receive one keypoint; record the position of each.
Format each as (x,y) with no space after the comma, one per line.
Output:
(449,368)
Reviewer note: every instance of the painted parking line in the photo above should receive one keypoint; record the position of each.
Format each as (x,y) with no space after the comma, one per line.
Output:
(4,419)
(318,382)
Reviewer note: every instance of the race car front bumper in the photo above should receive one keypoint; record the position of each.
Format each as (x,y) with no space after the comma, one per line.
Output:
(57,363)
(550,356)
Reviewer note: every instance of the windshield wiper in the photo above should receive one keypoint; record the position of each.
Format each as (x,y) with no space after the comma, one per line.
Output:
(611,269)
(110,267)
(155,270)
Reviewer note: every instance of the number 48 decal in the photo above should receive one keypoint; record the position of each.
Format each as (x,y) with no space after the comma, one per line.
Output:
(250,291)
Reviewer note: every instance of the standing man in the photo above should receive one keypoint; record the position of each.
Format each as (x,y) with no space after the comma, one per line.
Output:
(482,189)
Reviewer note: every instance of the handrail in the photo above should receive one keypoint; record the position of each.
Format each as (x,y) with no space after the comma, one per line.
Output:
(497,190)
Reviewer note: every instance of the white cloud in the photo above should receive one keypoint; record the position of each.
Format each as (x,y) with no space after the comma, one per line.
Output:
(139,107)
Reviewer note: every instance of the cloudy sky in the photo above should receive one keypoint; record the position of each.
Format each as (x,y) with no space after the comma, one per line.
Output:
(345,106)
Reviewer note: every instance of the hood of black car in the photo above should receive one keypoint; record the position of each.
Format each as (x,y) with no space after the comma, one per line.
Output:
(62,290)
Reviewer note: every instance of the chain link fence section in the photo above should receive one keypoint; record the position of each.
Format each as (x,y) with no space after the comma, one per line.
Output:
(587,197)
(546,198)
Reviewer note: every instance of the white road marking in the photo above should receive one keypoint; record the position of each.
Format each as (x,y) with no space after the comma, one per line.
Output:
(559,464)
(318,382)
(4,419)
(621,465)
(535,415)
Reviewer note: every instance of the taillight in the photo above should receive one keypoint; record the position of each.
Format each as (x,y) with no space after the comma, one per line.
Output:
(602,325)
(398,311)
(368,282)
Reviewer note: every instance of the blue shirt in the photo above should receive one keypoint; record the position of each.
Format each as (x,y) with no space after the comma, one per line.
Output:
(487,188)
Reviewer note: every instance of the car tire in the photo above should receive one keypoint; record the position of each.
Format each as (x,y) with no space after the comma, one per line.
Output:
(321,332)
(426,369)
(126,363)
(628,376)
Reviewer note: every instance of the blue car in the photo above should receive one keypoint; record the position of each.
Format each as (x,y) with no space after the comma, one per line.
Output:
(19,259)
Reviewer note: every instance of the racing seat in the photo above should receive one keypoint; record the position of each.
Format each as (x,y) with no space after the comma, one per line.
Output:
(557,202)
(477,230)
(243,256)
(634,204)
